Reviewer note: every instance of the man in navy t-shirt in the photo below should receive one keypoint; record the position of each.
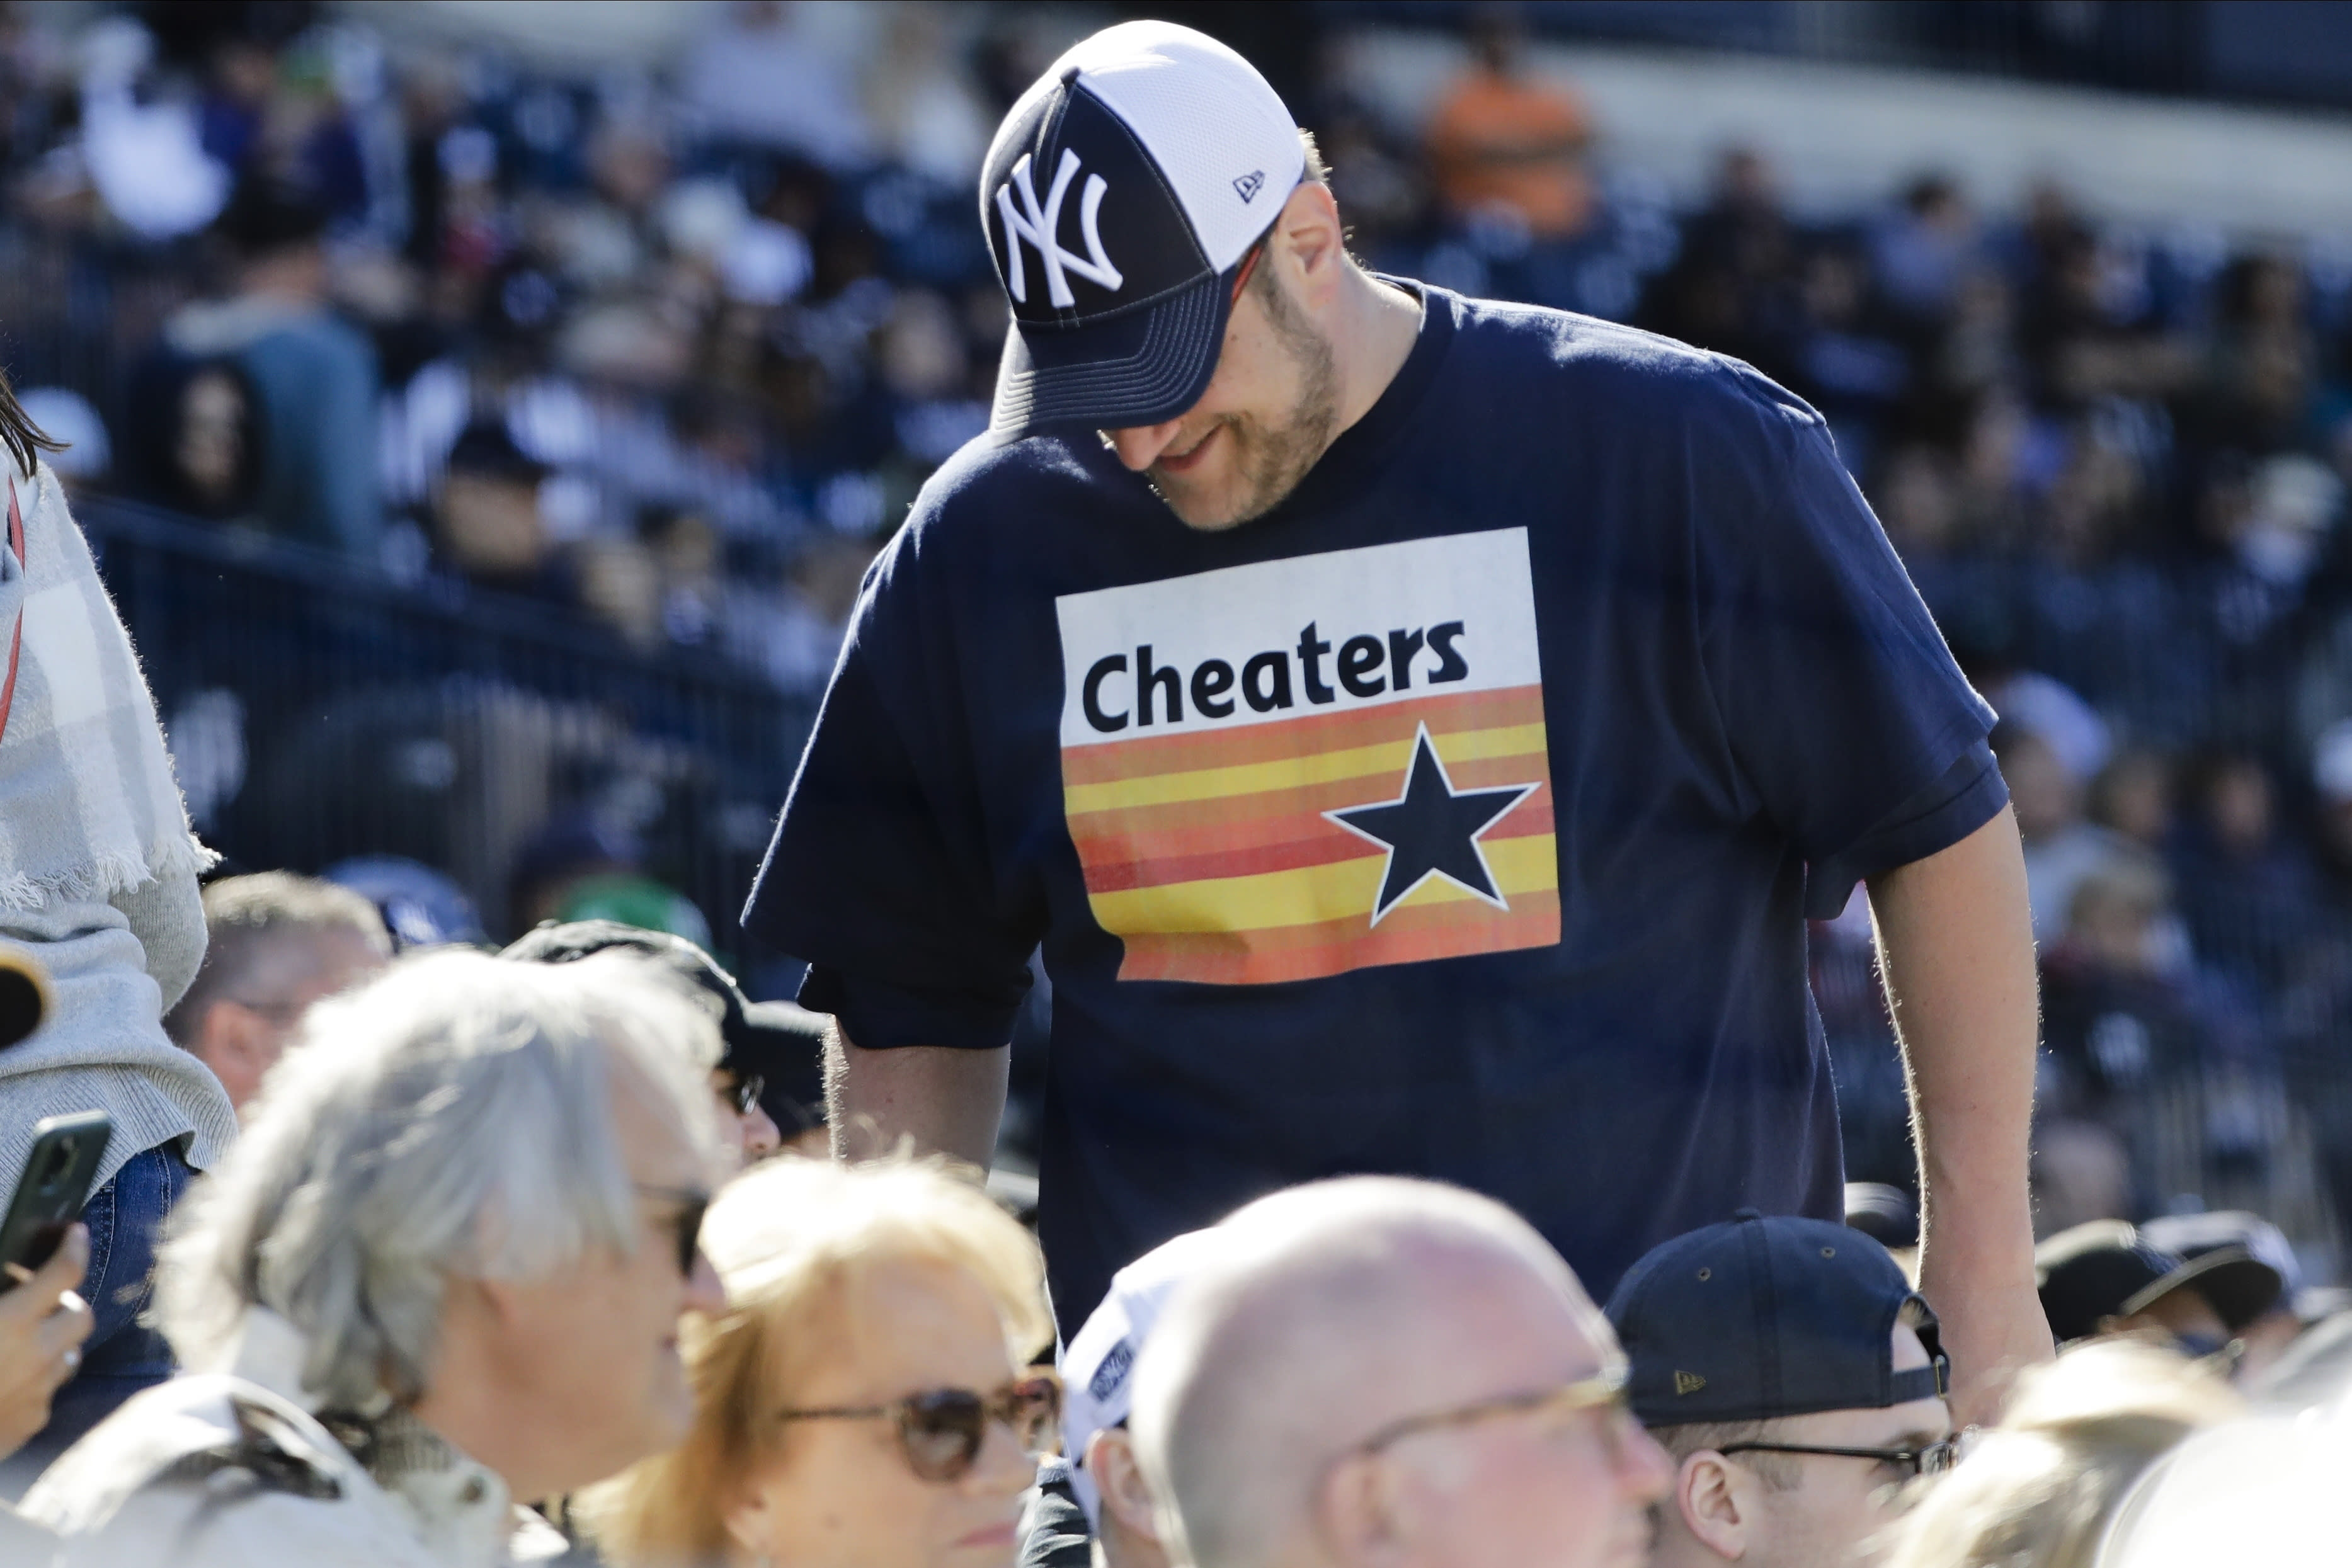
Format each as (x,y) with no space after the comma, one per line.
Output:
(1416,730)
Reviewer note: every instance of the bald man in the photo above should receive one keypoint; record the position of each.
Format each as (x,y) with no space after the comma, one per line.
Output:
(1384,1371)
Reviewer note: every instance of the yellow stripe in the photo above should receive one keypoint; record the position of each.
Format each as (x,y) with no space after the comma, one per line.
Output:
(1310,893)
(1389,757)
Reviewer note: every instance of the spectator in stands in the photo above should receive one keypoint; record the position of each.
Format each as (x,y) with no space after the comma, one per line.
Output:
(2061,847)
(1095,1494)
(1924,252)
(2104,1279)
(196,436)
(2262,1491)
(1503,139)
(2262,363)
(274,943)
(2038,1490)
(312,376)
(1379,1370)
(2263,1316)
(1795,1377)
(490,526)
(43,1324)
(2132,798)
(2251,896)
(2118,1015)
(97,884)
(768,72)
(461,1231)
(1733,284)
(771,1048)
(865,1396)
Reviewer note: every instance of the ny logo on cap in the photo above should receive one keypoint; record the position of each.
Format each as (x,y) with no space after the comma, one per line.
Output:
(1043,228)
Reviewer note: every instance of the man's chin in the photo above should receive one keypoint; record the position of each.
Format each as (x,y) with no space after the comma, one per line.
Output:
(1196,507)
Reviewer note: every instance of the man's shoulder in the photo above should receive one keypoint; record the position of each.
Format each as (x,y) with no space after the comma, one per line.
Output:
(204,1469)
(1605,369)
(991,478)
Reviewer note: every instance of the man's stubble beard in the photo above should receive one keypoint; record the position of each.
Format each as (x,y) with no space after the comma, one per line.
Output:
(1272,460)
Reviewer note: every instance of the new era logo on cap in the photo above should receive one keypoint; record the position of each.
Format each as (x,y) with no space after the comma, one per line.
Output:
(1108,201)
(1688,1383)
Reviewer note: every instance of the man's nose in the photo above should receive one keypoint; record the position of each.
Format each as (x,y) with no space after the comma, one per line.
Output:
(760,1135)
(1139,445)
(1648,1470)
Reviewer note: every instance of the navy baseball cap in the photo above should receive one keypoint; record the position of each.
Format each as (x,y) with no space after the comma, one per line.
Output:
(2240,1295)
(1121,196)
(779,1042)
(2107,1268)
(1762,1317)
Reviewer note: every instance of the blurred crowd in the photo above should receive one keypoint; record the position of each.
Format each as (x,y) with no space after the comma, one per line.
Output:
(672,347)
(405,1251)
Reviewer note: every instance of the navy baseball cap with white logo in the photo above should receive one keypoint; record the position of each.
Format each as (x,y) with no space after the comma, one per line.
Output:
(1768,1316)
(1120,198)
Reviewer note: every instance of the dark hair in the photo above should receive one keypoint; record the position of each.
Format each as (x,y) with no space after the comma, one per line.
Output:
(270,213)
(24,439)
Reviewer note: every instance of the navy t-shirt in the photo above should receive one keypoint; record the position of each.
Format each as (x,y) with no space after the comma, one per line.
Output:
(1459,818)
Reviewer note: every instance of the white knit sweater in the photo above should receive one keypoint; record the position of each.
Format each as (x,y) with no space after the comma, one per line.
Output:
(115,967)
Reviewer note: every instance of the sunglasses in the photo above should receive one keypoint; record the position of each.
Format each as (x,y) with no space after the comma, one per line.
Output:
(1603,1391)
(744,1093)
(940,1430)
(1933,1459)
(691,1203)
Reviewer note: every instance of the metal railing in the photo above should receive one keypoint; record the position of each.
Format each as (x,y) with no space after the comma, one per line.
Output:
(320,712)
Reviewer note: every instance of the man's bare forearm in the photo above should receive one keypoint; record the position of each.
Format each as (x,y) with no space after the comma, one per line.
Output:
(943,1099)
(1957,945)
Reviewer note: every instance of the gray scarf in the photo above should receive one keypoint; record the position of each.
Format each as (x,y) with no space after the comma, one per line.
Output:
(89,807)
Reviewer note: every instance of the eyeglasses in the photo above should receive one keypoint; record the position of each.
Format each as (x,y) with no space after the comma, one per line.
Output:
(1605,1390)
(1931,1460)
(691,1204)
(940,1430)
(744,1093)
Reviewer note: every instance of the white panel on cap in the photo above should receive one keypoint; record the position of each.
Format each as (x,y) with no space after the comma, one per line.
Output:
(1219,132)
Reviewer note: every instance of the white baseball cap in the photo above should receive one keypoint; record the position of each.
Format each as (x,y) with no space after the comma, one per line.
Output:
(1119,198)
(1098,1367)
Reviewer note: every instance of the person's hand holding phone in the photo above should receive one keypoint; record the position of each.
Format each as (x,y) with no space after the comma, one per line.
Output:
(42,1325)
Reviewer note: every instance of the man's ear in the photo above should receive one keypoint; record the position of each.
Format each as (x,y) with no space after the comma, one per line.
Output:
(1110,1459)
(1717,1504)
(233,1041)
(1360,1513)
(744,1516)
(1312,243)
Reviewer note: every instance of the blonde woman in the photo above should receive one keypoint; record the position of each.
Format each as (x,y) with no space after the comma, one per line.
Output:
(2038,1490)
(866,1400)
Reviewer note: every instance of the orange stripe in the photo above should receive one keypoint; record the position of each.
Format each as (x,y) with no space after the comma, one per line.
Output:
(1145,756)
(1117,863)
(1271,816)
(1411,935)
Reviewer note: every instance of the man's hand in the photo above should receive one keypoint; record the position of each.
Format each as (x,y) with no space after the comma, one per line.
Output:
(945,1100)
(1955,944)
(42,1325)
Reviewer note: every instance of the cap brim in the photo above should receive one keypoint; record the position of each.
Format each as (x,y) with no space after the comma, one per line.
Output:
(783,1043)
(1141,368)
(2238,1286)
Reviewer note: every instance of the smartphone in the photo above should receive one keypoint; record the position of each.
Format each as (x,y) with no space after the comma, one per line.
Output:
(52,1189)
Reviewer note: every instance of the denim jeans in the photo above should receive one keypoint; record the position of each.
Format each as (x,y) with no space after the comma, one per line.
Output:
(122,1355)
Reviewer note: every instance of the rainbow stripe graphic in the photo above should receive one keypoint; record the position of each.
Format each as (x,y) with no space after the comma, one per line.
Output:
(1242,768)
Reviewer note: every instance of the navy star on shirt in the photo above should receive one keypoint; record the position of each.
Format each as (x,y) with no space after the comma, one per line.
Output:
(1431,830)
